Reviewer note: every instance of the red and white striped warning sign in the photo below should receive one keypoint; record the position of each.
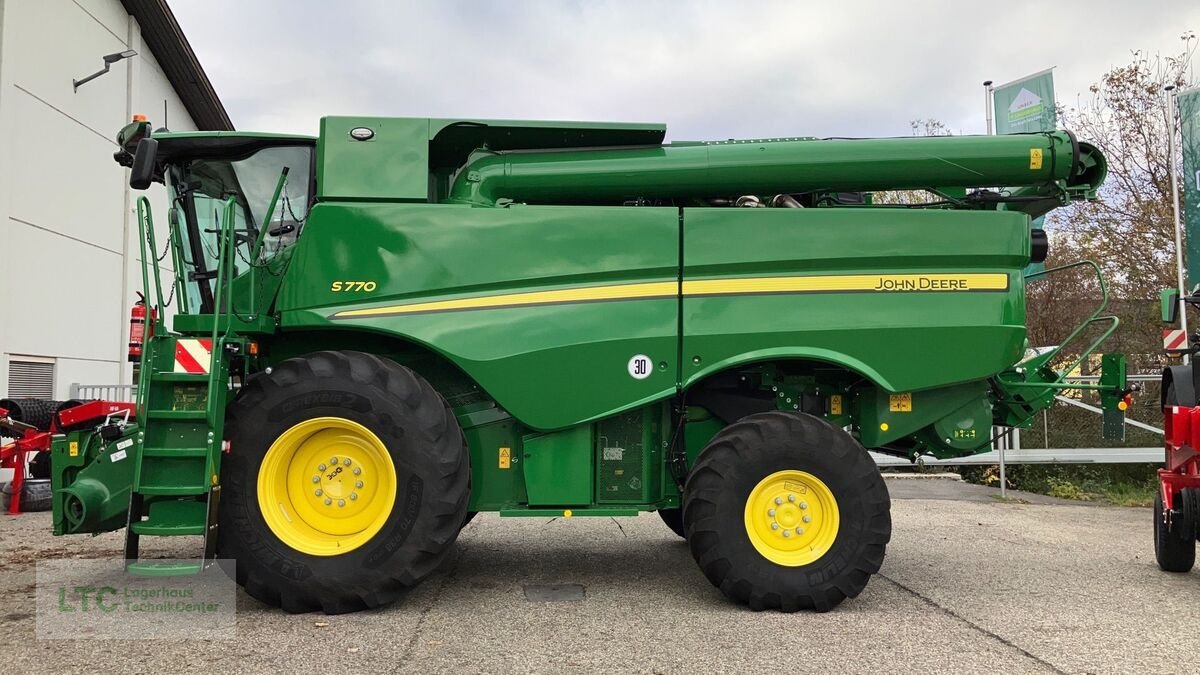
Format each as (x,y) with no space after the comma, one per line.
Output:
(1174,339)
(192,355)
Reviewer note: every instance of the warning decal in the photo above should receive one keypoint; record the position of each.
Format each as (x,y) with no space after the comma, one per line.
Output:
(193,355)
(1174,339)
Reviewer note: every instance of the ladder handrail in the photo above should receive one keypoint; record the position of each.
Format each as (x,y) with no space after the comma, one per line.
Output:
(225,245)
(1042,359)
(146,230)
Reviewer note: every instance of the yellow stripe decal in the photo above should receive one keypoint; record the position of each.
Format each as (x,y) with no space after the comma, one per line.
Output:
(645,291)
(843,283)
(879,283)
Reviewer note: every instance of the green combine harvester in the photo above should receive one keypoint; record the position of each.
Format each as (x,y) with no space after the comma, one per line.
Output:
(382,331)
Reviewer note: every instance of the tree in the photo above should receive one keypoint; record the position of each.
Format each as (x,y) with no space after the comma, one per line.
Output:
(1129,231)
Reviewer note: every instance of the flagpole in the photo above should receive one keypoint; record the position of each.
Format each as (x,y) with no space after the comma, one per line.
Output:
(1170,89)
(999,441)
(987,104)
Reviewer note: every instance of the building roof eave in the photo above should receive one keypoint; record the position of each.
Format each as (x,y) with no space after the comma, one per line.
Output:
(164,37)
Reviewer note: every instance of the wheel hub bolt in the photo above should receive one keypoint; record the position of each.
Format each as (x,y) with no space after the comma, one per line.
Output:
(778,501)
(316,479)
(803,505)
(353,496)
(328,501)
(346,461)
(319,492)
(358,483)
(774,526)
(333,461)
(787,533)
(807,518)
(791,498)
(771,512)
(341,502)
(799,530)
(320,467)
(357,471)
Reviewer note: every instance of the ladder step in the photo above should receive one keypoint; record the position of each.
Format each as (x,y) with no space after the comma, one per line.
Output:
(179,377)
(173,518)
(174,452)
(177,414)
(173,490)
(166,529)
(164,569)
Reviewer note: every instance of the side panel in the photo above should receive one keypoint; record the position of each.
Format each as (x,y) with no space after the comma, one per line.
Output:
(911,299)
(462,282)
(393,164)
(558,467)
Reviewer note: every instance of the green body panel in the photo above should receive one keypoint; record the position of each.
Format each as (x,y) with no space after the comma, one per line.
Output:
(875,410)
(551,366)
(900,340)
(495,485)
(91,479)
(624,454)
(393,165)
(558,467)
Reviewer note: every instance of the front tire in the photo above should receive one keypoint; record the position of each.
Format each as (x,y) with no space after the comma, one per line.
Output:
(785,511)
(346,483)
(1174,550)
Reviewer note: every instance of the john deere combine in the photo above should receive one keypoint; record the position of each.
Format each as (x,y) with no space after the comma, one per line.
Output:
(381,331)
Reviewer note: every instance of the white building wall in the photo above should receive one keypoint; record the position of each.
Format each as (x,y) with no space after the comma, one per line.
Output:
(69,254)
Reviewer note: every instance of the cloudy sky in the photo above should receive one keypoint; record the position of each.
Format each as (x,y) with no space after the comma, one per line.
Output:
(709,70)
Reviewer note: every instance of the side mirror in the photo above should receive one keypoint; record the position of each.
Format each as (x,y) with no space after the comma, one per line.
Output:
(1168,299)
(142,173)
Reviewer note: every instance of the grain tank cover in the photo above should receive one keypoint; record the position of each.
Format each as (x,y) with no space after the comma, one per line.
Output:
(400,158)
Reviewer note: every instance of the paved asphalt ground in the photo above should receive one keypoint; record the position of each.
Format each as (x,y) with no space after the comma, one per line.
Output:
(970,585)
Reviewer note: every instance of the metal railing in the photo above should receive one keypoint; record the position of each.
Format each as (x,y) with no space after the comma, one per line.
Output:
(106,392)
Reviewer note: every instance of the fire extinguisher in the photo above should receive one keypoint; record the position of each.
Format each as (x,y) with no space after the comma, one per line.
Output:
(138,332)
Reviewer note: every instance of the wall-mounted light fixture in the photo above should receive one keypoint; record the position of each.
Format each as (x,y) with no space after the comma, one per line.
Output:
(108,61)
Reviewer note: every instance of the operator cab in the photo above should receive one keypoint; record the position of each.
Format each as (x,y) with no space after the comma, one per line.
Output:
(201,170)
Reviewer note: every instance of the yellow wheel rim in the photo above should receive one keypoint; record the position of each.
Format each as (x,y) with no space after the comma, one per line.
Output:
(792,518)
(326,486)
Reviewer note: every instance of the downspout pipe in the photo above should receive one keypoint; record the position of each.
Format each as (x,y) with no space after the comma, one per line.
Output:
(696,170)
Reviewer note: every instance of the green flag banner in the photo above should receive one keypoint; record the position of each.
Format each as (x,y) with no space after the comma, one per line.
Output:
(1026,104)
(1189,121)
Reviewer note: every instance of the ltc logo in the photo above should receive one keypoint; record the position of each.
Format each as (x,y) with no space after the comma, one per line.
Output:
(87,599)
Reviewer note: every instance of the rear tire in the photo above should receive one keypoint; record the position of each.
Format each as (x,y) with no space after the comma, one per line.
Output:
(673,518)
(306,408)
(806,463)
(1174,550)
